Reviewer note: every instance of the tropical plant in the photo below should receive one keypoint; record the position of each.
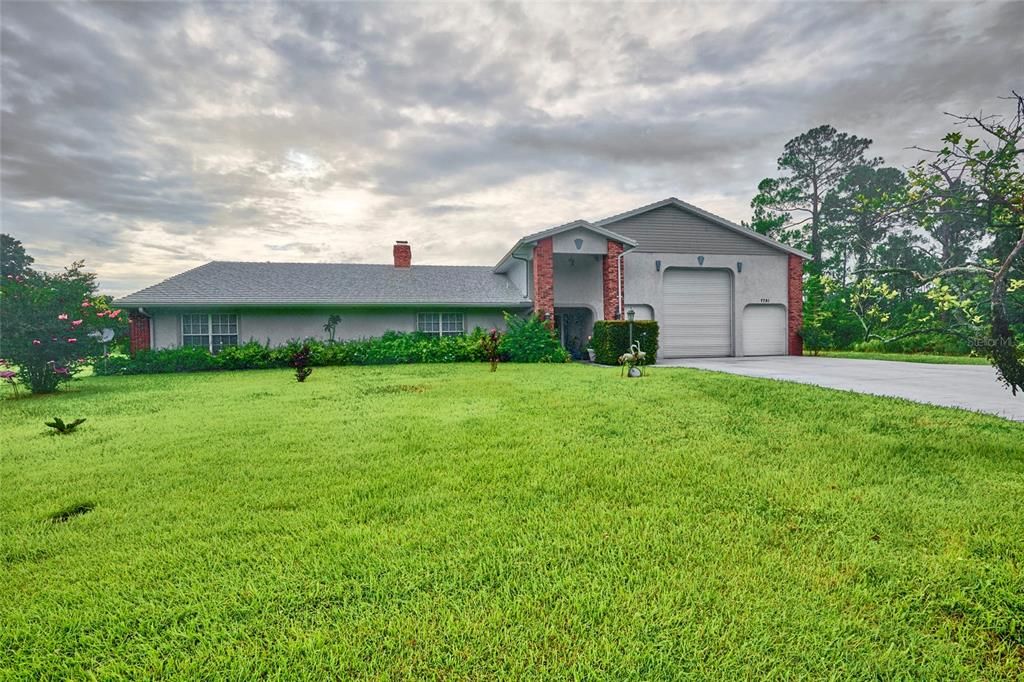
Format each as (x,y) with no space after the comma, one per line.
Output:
(332,326)
(62,428)
(530,340)
(490,343)
(300,361)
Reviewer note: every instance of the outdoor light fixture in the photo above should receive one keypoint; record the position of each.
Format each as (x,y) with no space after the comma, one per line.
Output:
(631,314)
(739,267)
(700,260)
(657,266)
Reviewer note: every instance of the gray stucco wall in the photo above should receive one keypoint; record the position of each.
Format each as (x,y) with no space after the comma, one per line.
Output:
(279,326)
(590,242)
(763,280)
(578,282)
(670,229)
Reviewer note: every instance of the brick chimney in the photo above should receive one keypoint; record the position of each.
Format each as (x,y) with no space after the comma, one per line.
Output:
(403,254)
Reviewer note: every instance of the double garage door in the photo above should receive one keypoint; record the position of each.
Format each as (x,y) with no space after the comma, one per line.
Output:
(697,318)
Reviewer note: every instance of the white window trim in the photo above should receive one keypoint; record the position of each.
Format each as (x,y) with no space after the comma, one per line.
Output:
(209,328)
(441,323)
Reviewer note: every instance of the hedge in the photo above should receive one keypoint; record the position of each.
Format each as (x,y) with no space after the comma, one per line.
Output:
(611,339)
(523,343)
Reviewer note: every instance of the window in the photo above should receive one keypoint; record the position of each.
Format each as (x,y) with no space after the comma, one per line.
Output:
(441,324)
(211,332)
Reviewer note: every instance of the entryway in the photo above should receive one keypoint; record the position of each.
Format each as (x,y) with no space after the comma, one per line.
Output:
(573,326)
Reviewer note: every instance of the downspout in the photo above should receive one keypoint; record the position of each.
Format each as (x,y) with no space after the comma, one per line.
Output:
(621,277)
(526,264)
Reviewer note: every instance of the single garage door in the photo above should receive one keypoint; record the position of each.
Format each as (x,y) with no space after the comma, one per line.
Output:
(697,319)
(764,330)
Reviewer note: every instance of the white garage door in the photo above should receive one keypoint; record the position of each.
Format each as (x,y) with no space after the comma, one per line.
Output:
(764,330)
(697,319)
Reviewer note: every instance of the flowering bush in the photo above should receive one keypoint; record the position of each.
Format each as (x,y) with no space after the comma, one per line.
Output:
(52,324)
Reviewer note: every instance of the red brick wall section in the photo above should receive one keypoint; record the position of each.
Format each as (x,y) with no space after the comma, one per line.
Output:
(138,331)
(403,255)
(796,304)
(544,281)
(610,279)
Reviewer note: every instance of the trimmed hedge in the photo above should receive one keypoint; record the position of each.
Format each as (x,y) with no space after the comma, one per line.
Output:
(611,339)
(393,348)
(526,341)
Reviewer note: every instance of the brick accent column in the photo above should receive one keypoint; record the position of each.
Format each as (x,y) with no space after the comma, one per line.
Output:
(544,281)
(611,276)
(138,332)
(796,304)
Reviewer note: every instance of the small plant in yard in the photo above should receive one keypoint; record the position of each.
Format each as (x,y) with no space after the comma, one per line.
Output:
(490,343)
(62,428)
(300,361)
(633,362)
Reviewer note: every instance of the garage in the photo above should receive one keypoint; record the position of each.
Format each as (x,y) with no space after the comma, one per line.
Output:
(697,313)
(764,330)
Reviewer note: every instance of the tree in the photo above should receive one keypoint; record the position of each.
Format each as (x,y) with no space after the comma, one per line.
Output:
(976,180)
(789,207)
(857,216)
(52,325)
(14,262)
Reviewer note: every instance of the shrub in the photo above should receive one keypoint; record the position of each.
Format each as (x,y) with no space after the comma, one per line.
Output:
(390,349)
(185,359)
(300,361)
(490,345)
(611,340)
(52,325)
(530,340)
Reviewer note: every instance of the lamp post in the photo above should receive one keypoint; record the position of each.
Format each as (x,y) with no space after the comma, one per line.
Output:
(631,314)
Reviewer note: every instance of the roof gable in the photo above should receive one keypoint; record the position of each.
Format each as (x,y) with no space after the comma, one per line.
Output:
(559,229)
(654,230)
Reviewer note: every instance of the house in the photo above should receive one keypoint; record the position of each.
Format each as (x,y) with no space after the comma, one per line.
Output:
(716,288)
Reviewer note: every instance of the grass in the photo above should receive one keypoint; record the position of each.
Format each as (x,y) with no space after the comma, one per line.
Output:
(540,522)
(905,357)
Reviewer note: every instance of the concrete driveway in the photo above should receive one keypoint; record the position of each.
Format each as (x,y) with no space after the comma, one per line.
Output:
(971,387)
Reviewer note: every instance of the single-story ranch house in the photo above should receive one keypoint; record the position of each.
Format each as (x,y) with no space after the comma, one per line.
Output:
(716,288)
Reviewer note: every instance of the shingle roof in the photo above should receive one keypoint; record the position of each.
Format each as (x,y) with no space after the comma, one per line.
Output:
(233,283)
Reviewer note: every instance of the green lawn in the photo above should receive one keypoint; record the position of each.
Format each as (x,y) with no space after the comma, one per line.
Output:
(905,357)
(540,522)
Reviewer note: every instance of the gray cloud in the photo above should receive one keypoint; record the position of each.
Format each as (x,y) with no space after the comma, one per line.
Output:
(149,137)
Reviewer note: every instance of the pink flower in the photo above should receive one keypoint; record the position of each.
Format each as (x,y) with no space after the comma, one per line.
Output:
(72,340)
(60,370)
(101,313)
(36,342)
(8,375)
(62,316)
(86,304)
(115,313)
(75,323)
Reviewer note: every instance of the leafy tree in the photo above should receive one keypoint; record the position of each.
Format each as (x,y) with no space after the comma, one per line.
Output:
(857,217)
(976,180)
(14,262)
(52,324)
(790,206)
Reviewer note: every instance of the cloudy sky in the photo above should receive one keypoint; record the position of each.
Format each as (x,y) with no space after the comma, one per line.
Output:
(149,137)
